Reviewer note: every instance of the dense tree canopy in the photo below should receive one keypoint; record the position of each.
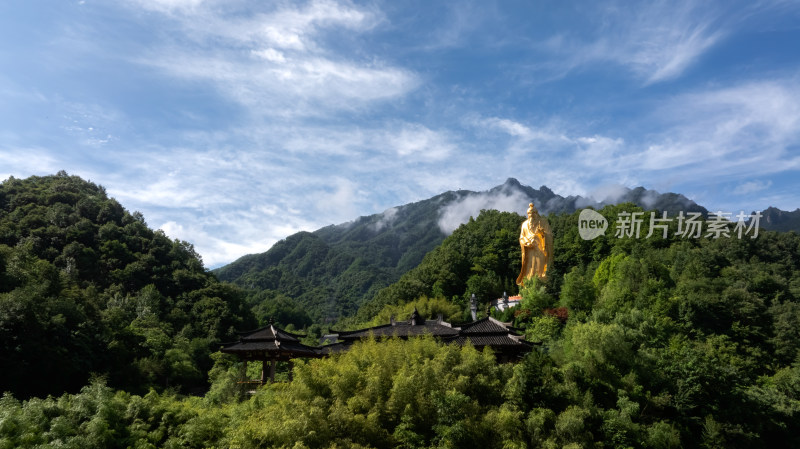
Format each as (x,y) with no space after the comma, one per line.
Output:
(331,272)
(480,257)
(644,342)
(86,287)
(698,336)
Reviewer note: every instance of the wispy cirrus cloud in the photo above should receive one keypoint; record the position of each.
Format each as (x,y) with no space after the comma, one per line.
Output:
(26,160)
(234,123)
(168,6)
(278,62)
(655,41)
(291,180)
(748,128)
(749,187)
(708,137)
(398,140)
(663,39)
(523,132)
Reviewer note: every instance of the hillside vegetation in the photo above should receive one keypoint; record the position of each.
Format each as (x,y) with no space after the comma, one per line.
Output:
(334,270)
(642,342)
(481,257)
(86,287)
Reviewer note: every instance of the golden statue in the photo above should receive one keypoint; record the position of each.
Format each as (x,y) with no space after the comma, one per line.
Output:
(536,241)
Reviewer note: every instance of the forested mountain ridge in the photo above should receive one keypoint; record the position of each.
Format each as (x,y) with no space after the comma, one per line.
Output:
(643,342)
(335,270)
(86,287)
(676,342)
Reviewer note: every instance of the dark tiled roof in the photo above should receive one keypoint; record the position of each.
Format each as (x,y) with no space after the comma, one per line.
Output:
(360,332)
(270,332)
(272,342)
(269,340)
(335,348)
(490,340)
(276,347)
(431,327)
(486,325)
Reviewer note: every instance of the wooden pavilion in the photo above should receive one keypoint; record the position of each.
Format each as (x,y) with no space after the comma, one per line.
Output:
(268,345)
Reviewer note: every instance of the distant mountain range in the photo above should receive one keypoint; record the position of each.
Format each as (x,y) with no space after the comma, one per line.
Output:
(335,269)
(775,219)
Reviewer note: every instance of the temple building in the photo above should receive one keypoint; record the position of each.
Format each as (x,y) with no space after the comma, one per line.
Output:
(488,332)
(416,326)
(507,344)
(270,344)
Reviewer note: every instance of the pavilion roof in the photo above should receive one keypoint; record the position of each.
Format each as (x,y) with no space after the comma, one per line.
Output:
(269,332)
(269,341)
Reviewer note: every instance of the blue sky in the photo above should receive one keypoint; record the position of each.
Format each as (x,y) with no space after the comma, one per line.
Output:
(233,124)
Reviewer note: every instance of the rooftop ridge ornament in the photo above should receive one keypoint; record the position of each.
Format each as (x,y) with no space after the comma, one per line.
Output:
(473,307)
(536,243)
(416,319)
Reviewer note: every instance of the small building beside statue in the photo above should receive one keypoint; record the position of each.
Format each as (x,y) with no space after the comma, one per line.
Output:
(506,302)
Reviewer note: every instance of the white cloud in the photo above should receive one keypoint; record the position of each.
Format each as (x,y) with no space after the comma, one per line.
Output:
(270,54)
(218,248)
(394,140)
(608,193)
(459,212)
(417,141)
(513,128)
(339,203)
(741,130)
(751,187)
(21,162)
(656,41)
(708,137)
(168,6)
(523,132)
(276,62)
(289,179)
(665,38)
(598,150)
(386,220)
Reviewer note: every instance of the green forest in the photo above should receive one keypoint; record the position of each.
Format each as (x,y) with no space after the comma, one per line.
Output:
(110,334)
(86,287)
(332,271)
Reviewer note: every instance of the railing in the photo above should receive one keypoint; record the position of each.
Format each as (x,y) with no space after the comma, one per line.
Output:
(250,386)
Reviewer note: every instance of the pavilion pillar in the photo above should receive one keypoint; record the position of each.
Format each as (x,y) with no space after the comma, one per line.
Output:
(243,372)
(272,364)
(263,371)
